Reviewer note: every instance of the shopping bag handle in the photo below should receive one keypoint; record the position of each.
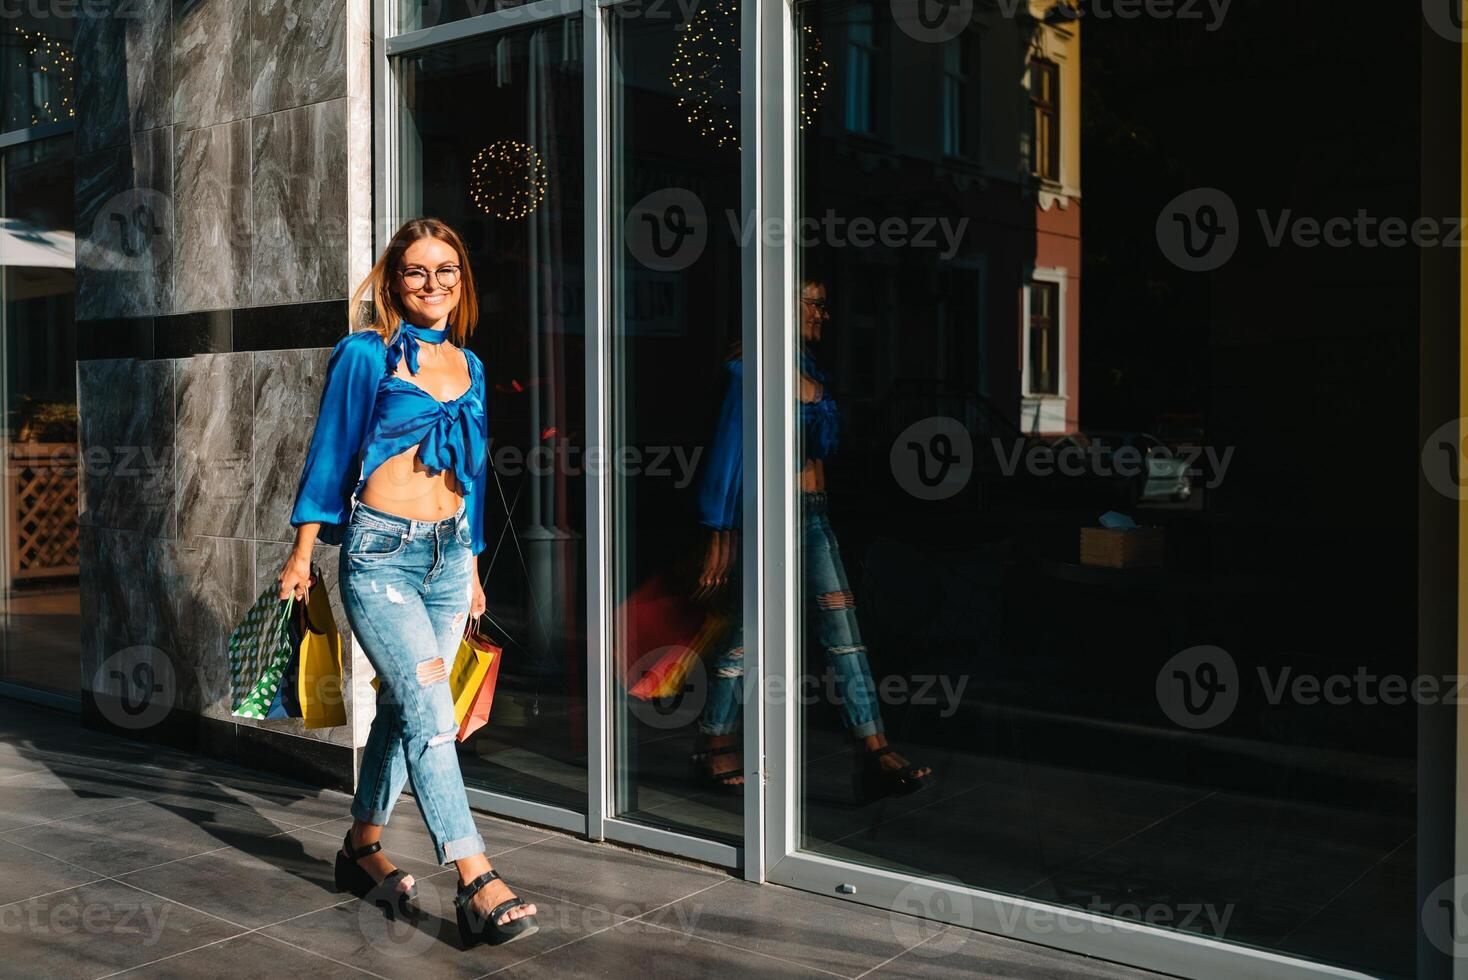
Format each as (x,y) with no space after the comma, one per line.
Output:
(306,603)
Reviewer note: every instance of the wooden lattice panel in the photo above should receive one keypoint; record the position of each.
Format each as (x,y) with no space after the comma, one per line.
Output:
(43,509)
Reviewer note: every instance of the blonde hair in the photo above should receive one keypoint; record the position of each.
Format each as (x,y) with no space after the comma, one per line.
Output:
(386,306)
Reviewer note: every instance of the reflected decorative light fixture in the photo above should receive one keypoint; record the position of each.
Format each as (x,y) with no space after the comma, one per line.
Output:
(705,71)
(48,60)
(507,179)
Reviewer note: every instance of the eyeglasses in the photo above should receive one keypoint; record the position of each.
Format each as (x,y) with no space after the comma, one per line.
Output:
(416,278)
(818,304)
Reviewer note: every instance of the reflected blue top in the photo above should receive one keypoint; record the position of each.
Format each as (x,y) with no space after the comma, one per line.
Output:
(368,414)
(722,483)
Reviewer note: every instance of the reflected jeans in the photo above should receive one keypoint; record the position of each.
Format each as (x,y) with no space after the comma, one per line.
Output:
(832,614)
(406,586)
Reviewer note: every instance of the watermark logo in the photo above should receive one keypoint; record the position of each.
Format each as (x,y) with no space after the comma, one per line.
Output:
(1211,12)
(131,231)
(395,937)
(135,688)
(1026,921)
(1199,687)
(1442,459)
(933,459)
(1073,459)
(1443,916)
(667,230)
(932,21)
(124,921)
(679,668)
(1446,18)
(943,235)
(923,915)
(1199,231)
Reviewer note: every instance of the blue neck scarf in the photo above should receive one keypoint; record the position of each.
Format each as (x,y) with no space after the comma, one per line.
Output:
(406,344)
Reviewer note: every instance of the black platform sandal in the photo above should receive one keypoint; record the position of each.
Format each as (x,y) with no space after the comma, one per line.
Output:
(701,770)
(353,878)
(474,928)
(872,780)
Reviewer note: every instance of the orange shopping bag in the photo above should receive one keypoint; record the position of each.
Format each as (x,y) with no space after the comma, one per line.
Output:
(477,715)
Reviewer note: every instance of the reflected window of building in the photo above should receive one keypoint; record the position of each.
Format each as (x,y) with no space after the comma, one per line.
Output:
(861,70)
(1045,100)
(1042,314)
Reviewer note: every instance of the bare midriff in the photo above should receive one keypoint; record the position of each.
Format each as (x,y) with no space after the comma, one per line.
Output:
(401,485)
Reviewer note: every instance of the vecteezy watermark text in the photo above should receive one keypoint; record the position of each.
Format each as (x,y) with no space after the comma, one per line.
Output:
(668,230)
(1076,460)
(1200,230)
(836,231)
(1200,687)
(1211,12)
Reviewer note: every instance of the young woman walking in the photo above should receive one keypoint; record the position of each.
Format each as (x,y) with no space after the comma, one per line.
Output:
(396,475)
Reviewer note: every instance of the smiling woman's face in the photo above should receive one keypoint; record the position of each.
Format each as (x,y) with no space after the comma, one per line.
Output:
(428,304)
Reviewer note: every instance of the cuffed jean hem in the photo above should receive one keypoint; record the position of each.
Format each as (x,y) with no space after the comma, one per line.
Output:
(457,850)
(873,727)
(378,818)
(717,730)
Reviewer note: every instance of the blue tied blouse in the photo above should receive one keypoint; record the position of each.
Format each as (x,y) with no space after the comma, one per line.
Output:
(368,415)
(719,490)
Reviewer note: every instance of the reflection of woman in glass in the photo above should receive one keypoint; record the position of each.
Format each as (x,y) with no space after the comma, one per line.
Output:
(880,770)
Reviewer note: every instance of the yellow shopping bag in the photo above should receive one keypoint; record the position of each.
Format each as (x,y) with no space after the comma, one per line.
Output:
(319,683)
(471,663)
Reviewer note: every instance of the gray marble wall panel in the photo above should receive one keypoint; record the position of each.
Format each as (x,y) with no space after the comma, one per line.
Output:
(216,588)
(125,228)
(299,203)
(128,580)
(126,409)
(216,467)
(214,172)
(123,79)
(297,53)
(287,395)
(211,70)
(212,190)
(99,46)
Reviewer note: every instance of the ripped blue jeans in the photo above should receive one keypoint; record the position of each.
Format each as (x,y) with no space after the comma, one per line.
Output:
(833,616)
(406,586)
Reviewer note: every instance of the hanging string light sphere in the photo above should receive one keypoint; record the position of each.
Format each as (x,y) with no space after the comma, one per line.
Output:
(706,66)
(507,179)
(49,61)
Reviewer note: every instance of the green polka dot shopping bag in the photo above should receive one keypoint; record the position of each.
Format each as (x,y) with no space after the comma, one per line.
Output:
(260,650)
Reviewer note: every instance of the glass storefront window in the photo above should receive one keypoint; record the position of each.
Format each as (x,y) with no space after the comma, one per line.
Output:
(492,144)
(42,645)
(37,68)
(677,423)
(992,391)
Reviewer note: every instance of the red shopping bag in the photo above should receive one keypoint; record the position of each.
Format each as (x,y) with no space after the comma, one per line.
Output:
(667,674)
(653,617)
(478,714)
